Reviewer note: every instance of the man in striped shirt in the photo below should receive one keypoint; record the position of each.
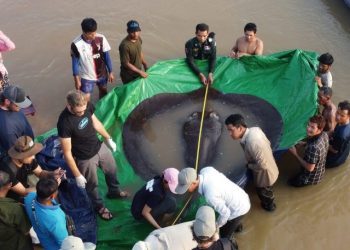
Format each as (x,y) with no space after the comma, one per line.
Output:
(91,62)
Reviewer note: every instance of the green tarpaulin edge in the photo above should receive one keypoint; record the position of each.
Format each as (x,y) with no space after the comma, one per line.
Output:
(284,79)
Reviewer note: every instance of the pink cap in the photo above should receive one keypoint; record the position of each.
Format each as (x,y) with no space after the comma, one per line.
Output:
(170,176)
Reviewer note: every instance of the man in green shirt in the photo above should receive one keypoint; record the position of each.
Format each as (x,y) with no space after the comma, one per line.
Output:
(14,223)
(131,56)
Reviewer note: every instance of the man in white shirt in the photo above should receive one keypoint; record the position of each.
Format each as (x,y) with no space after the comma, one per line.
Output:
(227,198)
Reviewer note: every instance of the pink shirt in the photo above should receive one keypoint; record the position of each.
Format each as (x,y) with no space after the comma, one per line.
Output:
(5,45)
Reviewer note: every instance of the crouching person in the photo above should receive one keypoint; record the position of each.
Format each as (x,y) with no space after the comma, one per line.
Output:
(205,232)
(176,237)
(153,202)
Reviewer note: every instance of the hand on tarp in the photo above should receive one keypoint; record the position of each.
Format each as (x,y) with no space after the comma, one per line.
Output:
(111,144)
(81,181)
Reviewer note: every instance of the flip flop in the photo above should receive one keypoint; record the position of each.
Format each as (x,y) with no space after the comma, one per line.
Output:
(118,195)
(105,214)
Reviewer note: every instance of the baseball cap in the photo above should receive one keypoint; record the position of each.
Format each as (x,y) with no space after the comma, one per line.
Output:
(72,243)
(185,178)
(170,176)
(133,26)
(17,95)
(24,147)
(204,224)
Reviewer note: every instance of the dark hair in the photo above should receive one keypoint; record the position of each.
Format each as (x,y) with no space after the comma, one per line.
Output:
(326,91)
(344,105)
(250,27)
(326,58)
(319,120)
(89,25)
(202,27)
(201,239)
(46,187)
(235,120)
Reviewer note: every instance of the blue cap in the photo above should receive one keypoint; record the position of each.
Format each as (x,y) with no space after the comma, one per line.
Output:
(133,26)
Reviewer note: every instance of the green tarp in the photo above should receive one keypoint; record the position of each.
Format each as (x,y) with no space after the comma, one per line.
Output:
(284,79)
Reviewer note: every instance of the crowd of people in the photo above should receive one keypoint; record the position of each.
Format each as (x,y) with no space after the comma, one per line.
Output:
(28,193)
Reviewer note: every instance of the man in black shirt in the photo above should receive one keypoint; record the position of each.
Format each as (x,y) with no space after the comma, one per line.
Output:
(77,126)
(201,47)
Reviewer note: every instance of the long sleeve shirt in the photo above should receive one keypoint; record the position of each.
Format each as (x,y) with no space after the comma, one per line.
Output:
(226,198)
(258,152)
(206,50)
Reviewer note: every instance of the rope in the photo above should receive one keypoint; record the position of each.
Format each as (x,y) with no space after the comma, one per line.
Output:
(198,150)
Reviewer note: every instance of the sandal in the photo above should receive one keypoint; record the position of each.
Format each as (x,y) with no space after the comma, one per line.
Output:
(118,195)
(105,214)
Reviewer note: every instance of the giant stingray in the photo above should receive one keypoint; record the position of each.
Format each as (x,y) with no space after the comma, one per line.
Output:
(257,111)
(282,82)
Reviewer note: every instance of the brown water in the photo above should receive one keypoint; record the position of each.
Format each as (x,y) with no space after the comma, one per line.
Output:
(309,218)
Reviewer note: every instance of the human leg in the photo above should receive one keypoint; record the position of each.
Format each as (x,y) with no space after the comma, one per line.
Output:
(102,86)
(231,227)
(298,181)
(87,86)
(108,166)
(266,197)
(88,168)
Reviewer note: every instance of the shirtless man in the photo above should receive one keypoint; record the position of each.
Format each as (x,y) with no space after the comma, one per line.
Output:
(329,109)
(249,44)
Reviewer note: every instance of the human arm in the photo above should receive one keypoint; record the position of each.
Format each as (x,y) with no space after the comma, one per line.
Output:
(308,166)
(143,61)
(66,144)
(21,190)
(220,207)
(99,127)
(102,131)
(75,66)
(259,47)
(41,173)
(318,81)
(142,73)
(191,64)
(5,43)
(234,50)
(212,63)
(108,61)
(146,213)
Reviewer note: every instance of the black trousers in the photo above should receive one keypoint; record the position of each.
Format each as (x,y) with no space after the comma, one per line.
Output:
(228,230)
(266,195)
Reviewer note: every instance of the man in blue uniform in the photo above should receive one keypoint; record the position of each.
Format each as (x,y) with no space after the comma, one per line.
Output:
(202,47)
